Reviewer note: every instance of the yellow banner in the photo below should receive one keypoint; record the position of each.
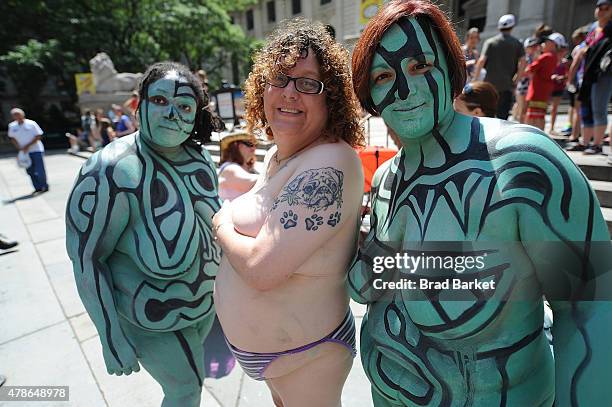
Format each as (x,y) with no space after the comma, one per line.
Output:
(368,9)
(85,83)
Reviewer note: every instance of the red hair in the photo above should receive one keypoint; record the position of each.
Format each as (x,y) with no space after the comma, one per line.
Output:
(380,23)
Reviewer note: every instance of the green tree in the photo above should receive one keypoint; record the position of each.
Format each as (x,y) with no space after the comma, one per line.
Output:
(41,39)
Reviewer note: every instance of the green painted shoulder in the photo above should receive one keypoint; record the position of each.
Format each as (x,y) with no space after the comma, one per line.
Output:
(118,160)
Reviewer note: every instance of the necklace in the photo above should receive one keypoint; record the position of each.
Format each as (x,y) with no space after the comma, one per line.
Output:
(288,159)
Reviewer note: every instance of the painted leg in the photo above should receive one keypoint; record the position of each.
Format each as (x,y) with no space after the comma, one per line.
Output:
(174,359)
(317,383)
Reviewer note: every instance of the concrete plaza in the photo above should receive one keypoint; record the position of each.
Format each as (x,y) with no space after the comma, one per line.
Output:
(47,338)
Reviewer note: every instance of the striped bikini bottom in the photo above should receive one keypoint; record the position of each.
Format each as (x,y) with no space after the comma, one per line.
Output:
(254,364)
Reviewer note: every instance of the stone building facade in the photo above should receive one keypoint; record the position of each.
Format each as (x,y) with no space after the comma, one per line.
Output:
(344,15)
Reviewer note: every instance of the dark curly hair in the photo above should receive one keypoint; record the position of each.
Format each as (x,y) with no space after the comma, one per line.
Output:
(205,121)
(284,46)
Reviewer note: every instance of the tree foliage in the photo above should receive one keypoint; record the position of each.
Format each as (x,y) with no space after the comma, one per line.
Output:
(43,39)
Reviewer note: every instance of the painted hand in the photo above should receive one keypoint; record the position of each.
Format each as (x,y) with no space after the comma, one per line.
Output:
(125,354)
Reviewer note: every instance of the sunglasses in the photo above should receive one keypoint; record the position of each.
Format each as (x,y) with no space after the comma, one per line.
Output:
(247,143)
(303,85)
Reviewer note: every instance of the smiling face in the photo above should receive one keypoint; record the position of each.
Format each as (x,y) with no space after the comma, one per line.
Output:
(409,82)
(168,113)
(292,114)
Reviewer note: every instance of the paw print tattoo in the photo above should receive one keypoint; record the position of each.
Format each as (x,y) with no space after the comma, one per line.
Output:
(289,220)
(334,219)
(313,222)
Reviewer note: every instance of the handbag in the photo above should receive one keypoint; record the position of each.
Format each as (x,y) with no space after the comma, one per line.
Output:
(24,160)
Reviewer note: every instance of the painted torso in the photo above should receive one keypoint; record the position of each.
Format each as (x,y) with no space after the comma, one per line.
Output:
(466,352)
(164,263)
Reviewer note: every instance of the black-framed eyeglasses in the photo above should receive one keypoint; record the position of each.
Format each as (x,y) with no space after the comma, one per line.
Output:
(247,143)
(303,85)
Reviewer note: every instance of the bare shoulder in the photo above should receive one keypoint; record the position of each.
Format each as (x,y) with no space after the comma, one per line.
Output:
(338,154)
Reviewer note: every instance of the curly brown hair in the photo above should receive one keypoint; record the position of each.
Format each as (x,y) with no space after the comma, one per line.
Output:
(284,46)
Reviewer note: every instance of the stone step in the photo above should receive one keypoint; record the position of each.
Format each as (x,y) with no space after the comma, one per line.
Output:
(595,167)
(607,214)
(603,190)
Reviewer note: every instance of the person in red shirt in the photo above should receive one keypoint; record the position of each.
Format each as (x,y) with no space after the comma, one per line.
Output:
(541,85)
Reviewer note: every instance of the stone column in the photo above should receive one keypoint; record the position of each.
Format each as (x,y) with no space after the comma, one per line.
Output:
(531,14)
(495,9)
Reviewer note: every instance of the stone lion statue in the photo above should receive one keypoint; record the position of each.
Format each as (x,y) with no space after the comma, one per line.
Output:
(107,79)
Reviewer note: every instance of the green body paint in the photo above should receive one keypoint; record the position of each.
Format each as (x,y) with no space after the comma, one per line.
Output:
(477,182)
(139,236)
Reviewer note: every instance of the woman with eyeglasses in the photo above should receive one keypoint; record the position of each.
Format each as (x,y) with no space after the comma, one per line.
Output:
(237,172)
(281,292)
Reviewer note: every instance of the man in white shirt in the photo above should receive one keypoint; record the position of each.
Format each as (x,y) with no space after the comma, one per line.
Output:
(26,135)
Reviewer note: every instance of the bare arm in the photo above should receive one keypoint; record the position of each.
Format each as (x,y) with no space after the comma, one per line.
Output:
(130,129)
(575,65)
(31,143)
(237,178)
(522,63)
(479,65)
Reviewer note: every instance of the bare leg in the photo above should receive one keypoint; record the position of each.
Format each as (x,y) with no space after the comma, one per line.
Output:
(317,383)
(575,120)
(587,135)
(598,134)
(519,113)
(278,402)
(553,112)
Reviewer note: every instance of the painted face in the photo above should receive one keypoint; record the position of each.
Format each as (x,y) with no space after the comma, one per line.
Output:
(409,82)
(168,113)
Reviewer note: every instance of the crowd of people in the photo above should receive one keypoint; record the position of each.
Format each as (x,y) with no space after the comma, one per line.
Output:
(98,128)
(532,76)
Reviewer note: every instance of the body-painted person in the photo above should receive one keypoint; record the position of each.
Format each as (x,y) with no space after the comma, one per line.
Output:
(287,244)
(472,182)
(140,238)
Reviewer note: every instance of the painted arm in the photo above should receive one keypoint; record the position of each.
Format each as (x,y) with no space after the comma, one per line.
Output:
(362,274)
(96,216)
(554,234)
(322,197)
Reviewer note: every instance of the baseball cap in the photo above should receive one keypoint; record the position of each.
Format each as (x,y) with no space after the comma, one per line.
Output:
(530,42)
(558,39)
(506,21)
(602,2)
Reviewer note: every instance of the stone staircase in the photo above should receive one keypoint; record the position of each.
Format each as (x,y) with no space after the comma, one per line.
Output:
(599,173)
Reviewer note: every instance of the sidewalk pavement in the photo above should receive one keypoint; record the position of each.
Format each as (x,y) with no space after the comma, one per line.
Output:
(47,338)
